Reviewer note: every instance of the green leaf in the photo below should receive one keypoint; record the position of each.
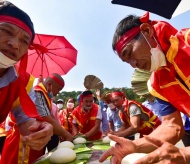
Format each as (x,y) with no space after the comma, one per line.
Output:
(101,147)
(98,142)
(83,156)
(79,146)
(82,149)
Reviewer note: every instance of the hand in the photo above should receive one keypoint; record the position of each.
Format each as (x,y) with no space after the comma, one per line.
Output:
(166,153)
(112,132)
(79,135)
(97,91)
(119,150)
(40,134)
(105,133)
(68,137)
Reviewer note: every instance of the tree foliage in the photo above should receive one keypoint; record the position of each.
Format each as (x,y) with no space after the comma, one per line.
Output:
(128,93)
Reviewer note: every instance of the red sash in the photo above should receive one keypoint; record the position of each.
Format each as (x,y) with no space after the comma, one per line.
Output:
(11,92)
(41,88)
(12,150)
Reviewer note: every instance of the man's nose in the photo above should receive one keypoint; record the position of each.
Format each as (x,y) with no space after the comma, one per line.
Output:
(133,63)
(14,42)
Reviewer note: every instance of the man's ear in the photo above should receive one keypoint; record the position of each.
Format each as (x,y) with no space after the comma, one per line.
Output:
(147,29)
(49,86)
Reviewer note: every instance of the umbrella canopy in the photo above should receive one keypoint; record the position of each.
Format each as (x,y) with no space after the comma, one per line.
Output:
(50,54)
(164,8)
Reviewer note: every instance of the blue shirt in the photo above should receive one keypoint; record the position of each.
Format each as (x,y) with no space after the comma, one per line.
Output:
(165,107)
(186,121)
(113,116)
(154,107)
(105,126)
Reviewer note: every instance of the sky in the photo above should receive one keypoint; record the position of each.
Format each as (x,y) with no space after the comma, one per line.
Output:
(89,26)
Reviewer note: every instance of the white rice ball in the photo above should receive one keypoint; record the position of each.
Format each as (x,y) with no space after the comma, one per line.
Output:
(63,155)
(112,143)
(106,139)
(132,158)
(79,140)
(67,144)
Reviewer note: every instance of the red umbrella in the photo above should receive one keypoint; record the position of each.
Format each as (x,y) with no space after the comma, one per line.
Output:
(50,54)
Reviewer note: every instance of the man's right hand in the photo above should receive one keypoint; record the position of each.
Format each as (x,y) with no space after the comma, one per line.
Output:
(119,150)
(165,153)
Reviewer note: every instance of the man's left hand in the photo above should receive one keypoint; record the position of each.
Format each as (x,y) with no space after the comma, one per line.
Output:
(40,134)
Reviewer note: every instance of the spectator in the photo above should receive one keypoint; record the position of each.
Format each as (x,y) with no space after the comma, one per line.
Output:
(60,104)
(103,107)
(65,115)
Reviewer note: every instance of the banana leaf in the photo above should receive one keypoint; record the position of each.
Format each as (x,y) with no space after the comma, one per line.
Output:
(139,82)
(97,142)
(101,147)
(82,149)
(83,155)
(81,158)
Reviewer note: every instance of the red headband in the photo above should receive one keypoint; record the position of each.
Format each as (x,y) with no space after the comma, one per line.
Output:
(129,35)
(82,96)
(126,38)
(121,94)
(15,21)
(57,80)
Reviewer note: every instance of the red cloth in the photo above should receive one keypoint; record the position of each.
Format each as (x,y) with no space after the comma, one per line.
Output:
(172,82)
(163,32)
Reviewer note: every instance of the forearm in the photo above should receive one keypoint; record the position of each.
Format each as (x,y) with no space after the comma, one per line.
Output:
(92,131)
(23,127)
(171,130)
(57,128)
(74,129)
(120,130)
(126,132)
(111,126)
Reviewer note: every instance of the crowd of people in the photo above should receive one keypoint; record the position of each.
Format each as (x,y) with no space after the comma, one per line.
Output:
(33,124)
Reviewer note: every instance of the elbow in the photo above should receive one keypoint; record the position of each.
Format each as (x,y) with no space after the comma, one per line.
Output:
(178,132)
(181,132)
(135,129)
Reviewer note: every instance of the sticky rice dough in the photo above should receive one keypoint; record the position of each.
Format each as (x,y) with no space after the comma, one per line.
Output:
(63,155)
(79,140)
(66,144)
(106,139)
(112,143)
(132,158)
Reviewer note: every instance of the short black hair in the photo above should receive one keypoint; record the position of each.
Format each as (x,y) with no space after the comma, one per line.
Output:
(86,93)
